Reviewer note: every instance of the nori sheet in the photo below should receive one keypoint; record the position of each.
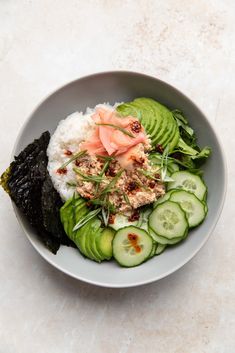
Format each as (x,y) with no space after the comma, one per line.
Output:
(29,186)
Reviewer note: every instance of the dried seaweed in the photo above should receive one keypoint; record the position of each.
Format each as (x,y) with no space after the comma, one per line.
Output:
(51,204)
(29,186)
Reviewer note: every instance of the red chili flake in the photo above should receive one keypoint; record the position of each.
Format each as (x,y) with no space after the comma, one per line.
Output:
(152,184)
(111,219)
(138,160)
(77,163)
(133,239)
(138,248)
(157,176)
(68,153)
(61,171)
(136,126)
(134,216)
(132,186)
(159,148)
(110,172)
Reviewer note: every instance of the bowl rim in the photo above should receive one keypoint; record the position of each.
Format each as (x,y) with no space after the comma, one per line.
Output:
(216,216)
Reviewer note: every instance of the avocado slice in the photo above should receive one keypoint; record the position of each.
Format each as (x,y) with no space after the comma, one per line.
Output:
(157,120)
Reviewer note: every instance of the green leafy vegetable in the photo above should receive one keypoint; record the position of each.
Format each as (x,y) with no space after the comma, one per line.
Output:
(190,156)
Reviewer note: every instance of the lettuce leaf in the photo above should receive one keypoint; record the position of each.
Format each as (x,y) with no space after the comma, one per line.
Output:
(189,155)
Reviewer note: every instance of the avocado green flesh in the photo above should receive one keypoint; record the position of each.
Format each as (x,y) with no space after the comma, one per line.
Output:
(92,242)
(80,241)
(95,248)
(105,243)
(153,115)
(167,136)
(157,120)
(146,117)
(88,235)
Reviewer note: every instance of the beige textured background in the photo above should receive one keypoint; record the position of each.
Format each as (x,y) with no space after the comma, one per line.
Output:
(44,44)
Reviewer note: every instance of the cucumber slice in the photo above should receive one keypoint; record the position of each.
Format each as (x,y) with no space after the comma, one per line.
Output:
(169,220)
(189,182)
(173,167)
(154,248)
(192,206)
(143,220)
(159,249)
(162,240)
(163,198)
(121,221)
(205,207)
(131,246)
(104,244)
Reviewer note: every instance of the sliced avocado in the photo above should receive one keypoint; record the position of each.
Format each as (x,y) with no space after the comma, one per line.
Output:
(80,240)
(105,243)
(157,120)
(95,231)
(145,115)
(167,135)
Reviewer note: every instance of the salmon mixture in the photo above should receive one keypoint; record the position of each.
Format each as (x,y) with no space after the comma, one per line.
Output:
(115,170)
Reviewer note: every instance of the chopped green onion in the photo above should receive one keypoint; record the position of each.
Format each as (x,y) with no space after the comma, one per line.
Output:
(126,198)
(105,216)
(72,184)
(118,128)
(76,156)
(105,167)
(108,158)
(147,174)
(91,178)
(87,218)
(112,183)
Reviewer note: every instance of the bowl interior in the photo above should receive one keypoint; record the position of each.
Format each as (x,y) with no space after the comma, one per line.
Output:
(118,87)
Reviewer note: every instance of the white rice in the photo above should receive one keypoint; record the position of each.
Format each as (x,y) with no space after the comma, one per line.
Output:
(68,135)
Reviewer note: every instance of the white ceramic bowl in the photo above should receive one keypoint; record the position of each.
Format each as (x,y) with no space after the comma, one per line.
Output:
(113,87)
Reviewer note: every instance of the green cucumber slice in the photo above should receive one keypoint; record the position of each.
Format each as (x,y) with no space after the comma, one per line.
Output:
(131,246)
(163,198)
(121,221)
(168,220)
(154,248)
(189,182)
(192,206)
(172,167)
(162,240)
(159,249)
